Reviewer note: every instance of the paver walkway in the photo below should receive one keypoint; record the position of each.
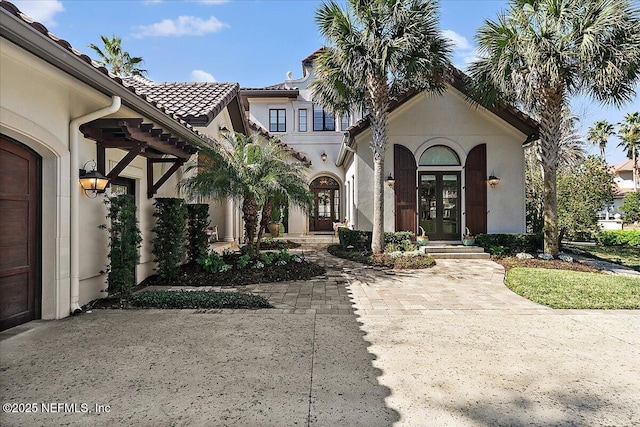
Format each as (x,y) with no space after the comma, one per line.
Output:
(454,286)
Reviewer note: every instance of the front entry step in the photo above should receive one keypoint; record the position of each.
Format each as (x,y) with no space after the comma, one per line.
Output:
(455,251)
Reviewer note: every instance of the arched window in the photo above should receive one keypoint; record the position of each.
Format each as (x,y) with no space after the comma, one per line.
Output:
(439,155)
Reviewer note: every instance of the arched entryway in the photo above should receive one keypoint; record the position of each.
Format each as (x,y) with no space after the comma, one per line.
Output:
(326,204)
(19,234)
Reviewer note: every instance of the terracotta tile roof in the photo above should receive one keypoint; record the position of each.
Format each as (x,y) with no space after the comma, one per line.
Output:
(192,101)
(265,133)
(40,28)
(624,166)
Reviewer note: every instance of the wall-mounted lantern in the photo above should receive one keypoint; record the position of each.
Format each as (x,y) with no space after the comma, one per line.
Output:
(390,181)
(323,156)
(493,180)
(92,180)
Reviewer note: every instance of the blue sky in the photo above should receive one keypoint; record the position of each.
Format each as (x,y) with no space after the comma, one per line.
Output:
(253,42)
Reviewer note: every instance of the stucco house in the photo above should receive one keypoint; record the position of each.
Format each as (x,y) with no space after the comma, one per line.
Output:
(58,111)
(623,177)
(442,150)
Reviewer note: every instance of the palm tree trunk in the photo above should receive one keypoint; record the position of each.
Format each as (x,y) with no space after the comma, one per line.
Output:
(264,221)
(550,123)
(250,217)
(379,93)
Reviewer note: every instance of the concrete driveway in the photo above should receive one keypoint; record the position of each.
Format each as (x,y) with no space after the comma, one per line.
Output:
(504,362)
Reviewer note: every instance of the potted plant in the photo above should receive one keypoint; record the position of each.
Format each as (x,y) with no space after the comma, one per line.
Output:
(274,228)
(422,239)
(468,239)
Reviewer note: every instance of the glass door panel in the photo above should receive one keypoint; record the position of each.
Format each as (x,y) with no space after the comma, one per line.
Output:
(428,203)
(439,207)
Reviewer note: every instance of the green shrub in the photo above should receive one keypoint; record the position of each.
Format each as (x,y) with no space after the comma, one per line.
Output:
(359,239)
(243,261)
(197,239)
(168,243)
(213,263)
(398,237)
(631,207)
(397,260)
(197,299)
(124,242)
(618,237)
(510,243)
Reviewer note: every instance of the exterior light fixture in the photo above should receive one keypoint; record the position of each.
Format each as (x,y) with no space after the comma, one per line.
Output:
(493,180)
(323,156)
(92,180)
(223,129)
(390,181)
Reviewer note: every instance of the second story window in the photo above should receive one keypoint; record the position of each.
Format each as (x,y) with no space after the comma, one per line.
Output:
(322,120)
(277,120)
(344,122)
(302,120)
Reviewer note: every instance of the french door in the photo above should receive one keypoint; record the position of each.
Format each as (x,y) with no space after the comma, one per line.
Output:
(439,204)
(326,204)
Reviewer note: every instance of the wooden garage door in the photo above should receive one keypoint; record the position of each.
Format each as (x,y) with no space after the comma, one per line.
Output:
(19,242)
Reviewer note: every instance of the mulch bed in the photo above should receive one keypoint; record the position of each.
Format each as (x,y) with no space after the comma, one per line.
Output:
(279,244)
(193,275)
(553,264)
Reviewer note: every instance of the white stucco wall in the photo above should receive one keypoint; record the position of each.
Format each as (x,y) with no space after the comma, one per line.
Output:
(449,120)
(38,101)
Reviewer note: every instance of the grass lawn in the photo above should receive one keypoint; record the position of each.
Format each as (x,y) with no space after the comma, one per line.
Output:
(623,255)
(574,289)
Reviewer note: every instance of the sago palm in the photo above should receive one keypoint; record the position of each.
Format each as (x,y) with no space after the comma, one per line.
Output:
(599,135)
(540,53)
(116,60)
(251,171)
(378,48)
(629,133)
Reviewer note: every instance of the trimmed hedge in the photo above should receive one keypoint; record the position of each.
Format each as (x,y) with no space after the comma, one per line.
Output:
(197,223)
(197,299)
(510,243)
(618,237)
(361,240)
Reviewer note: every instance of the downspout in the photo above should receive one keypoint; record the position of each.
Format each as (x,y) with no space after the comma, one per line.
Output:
(74,249)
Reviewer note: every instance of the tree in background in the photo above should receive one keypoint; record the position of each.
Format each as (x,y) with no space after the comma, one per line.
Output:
(378,48)
(582,192)
(629,133)
(542,52)
(116,60)
(251,171)
(599,134)
(631,207)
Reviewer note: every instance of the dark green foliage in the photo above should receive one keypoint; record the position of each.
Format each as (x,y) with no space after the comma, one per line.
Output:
(168,244)
(619,237)
(124,242)
(359,239)
(510,243)
(197,299)
(398,237)
(198,221)
(631,207)
(213,263)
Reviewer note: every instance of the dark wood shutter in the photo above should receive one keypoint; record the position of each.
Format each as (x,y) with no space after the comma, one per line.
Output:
(404,172)
(19,254)
(476,189)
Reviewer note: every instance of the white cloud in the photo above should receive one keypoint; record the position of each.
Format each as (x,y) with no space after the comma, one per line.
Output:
(201,76)
(40,10)
(459,42)
(183,26)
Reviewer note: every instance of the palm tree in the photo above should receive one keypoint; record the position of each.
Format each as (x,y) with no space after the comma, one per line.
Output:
(599,135)
(378,48)
(542,52)
(629,133)
(249,170)
(116,60)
